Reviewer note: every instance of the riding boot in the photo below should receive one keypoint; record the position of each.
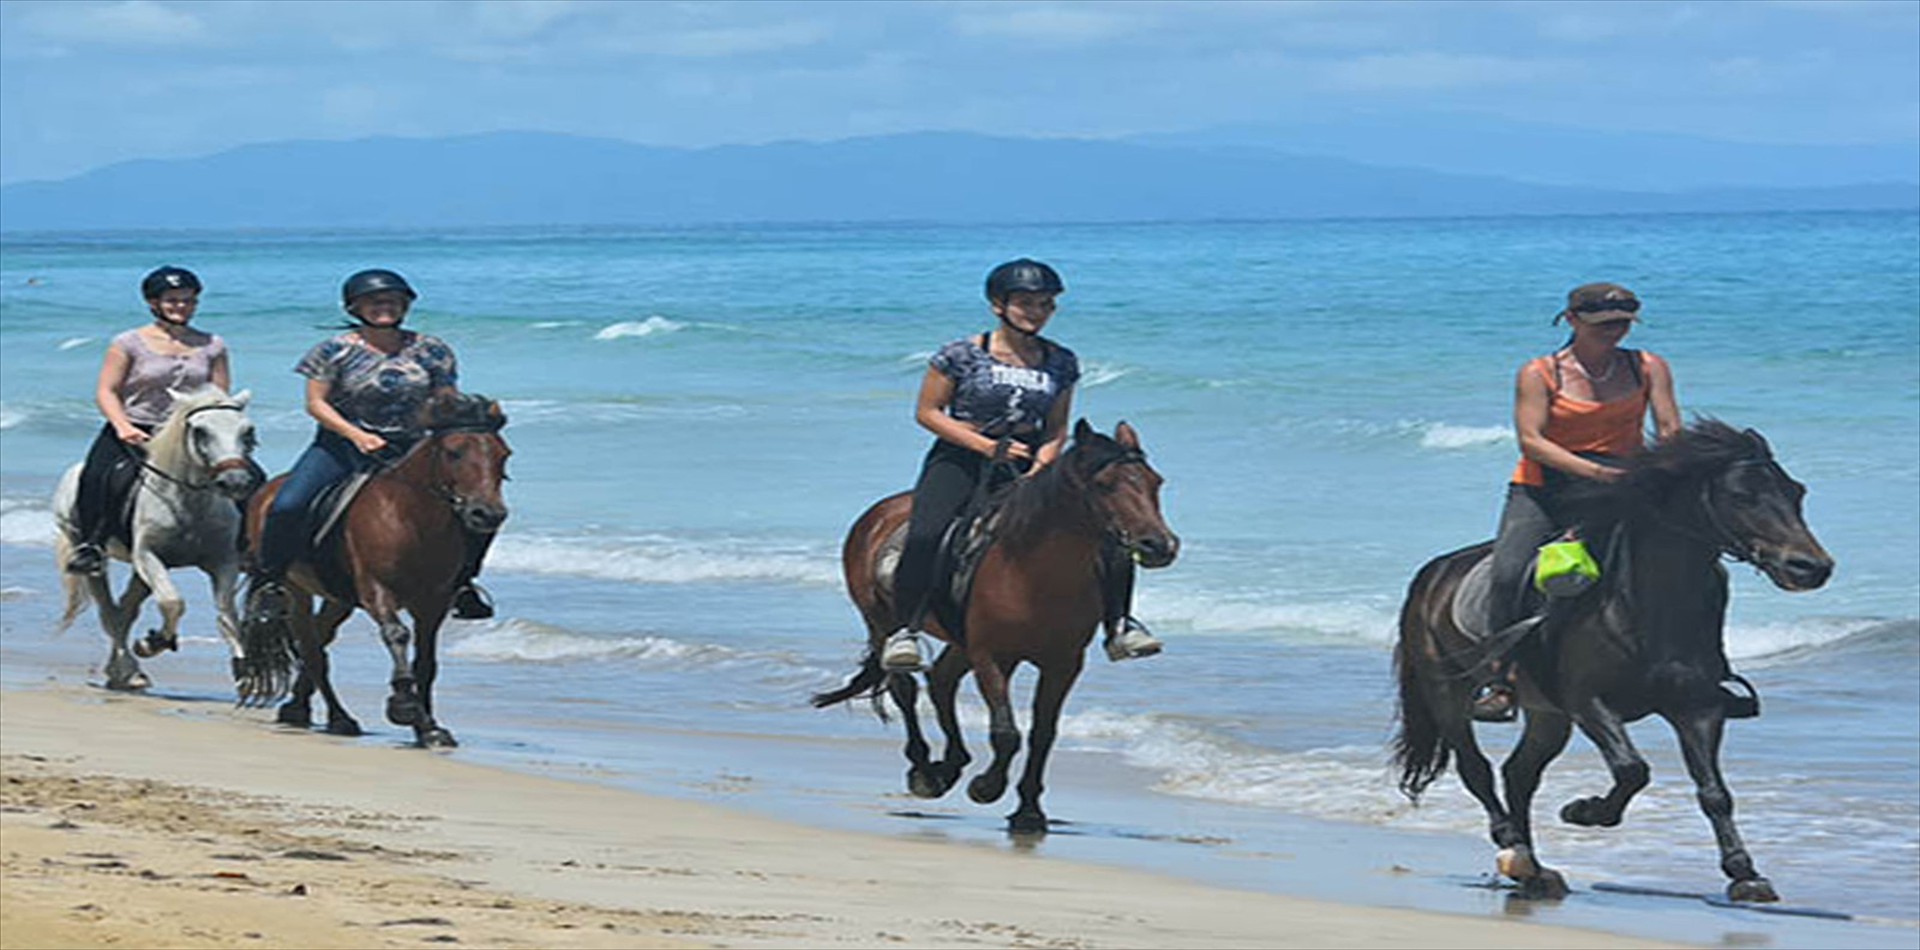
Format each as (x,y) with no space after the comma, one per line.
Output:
(1127,638)
(470,600)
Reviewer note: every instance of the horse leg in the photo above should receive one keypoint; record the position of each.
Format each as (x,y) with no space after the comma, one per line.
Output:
(991,677)
(117,617)
(1048,698)
(403,702)
(1603,727)
(225,580)
(943,681)
(1699,734)
(148,567)
(1545,737)
(315,634)
(905,691)
(427,619)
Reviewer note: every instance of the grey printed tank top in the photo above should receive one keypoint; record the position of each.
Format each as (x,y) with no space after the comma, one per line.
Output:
(153,378)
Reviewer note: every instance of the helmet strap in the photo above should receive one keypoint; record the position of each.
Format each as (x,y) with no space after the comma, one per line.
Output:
(1009,324)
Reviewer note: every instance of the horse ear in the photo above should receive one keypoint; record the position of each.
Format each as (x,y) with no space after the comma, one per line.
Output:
(1127,438)
(1760,441)
(1082,431)
(243,397)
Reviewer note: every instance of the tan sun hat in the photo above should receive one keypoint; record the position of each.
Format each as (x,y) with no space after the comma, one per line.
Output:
(1600,303)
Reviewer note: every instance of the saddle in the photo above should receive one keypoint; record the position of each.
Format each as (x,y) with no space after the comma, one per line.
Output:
(329,507)
(962,549)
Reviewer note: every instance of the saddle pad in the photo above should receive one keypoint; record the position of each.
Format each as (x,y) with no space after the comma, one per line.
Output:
(328,506)
(1472,598)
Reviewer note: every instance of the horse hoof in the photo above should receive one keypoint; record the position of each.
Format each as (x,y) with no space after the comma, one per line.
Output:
(923,784)
(437,738)
(299,715)
(1588,813)
(1027,823)
(1752,891)
(1548,885)
(129,684)
(1516,864)
(154,644)
(402,711)
(343,726)
(985,791)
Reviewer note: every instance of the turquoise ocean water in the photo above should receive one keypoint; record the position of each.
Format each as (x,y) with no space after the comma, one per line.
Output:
(698,415)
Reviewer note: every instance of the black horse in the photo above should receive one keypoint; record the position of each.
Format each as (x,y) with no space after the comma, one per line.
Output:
(1646,639)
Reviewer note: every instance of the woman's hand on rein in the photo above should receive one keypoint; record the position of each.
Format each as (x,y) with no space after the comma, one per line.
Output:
(131,436)
(368,443)
(1016,452)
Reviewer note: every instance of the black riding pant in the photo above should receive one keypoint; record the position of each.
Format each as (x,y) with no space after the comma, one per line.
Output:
(110,471)
(1527,521)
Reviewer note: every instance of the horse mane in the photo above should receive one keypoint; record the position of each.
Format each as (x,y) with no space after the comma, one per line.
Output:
(167,450)
(1028,501)
(1705,446)
(458,410)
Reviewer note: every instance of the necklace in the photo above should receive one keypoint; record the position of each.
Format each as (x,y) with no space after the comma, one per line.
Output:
(1613,363)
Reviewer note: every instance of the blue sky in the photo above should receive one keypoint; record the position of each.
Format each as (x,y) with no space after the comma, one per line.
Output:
(86,83)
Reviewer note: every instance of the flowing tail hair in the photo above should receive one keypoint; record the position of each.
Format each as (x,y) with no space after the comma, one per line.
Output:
(1419,750)
(867,683)
(73,585)
(265,674)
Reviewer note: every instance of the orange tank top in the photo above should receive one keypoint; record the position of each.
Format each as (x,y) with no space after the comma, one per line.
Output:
(1615,428)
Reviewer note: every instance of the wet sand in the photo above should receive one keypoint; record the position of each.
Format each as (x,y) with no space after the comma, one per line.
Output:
(145,821)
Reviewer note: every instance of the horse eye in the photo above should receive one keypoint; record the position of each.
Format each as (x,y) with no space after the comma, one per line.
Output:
(453,455)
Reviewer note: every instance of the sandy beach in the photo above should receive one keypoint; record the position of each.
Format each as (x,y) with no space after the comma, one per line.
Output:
(144,821)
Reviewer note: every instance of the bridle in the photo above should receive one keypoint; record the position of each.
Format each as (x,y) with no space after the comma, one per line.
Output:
(438,486)
(237,462)
(1718,536)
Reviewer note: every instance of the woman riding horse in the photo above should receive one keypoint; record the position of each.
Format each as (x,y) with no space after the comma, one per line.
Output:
(1577,412)
(365,387)
(1004,396)
(144,369)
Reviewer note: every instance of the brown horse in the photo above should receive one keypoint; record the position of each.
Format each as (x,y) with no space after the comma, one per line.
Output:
(1645,640)
(402,545)
(1036,598)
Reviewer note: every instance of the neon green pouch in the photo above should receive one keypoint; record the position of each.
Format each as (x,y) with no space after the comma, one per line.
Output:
(1565,569)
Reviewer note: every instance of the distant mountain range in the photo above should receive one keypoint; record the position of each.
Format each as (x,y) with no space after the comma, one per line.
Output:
(519,178)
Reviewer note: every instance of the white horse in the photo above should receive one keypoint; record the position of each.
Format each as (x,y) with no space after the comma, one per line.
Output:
(198,464)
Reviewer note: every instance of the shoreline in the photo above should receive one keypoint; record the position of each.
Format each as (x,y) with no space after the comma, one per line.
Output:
(437,847)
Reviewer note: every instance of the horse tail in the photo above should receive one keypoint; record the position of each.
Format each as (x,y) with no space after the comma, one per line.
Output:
(867,683)
(265,673)
(72,585)
(1419,750)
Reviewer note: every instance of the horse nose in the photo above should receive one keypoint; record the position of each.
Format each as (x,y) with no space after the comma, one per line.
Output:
(237,483)
(1809,572)
(485,519)
(1158,551)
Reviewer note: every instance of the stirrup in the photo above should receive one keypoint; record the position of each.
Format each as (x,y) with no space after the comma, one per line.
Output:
(1494,702)
(86,559)
(1737,706)
(472,602)
(1132,642)
(901,654)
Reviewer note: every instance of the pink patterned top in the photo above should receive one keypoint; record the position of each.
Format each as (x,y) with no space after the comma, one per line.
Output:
(150,375)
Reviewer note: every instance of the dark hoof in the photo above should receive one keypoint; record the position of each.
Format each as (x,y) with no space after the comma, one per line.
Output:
(299,715)
(155,644)
(344,726)
(403,710)
(1736,705)
(1588,813)
(924,784)
(471,602)
(1753,891)
(1548,885)
(437,738)
(130,684)
(1027,823)
(985,790)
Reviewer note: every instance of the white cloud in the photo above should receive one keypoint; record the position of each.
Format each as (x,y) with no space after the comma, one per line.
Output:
(125,23)
(1428,71)
(715,42)
(1046,23)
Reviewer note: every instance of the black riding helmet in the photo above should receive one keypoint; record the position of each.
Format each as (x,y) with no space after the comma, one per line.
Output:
(372,282)
(168,278)
(1023,274)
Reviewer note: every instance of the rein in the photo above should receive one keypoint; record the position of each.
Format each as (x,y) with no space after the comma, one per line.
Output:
(1718,536)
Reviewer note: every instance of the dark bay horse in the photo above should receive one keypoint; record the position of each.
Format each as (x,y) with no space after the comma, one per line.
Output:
(1645,640)
(402,544)
(1036,599)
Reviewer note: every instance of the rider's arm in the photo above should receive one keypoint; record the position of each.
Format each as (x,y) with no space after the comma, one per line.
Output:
(1055,436)
(331,420)
(1530,401)
(930,410)
(1665,405)
(106,393)
(220,372)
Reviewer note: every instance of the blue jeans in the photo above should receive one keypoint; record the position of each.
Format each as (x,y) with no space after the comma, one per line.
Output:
(328,460)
